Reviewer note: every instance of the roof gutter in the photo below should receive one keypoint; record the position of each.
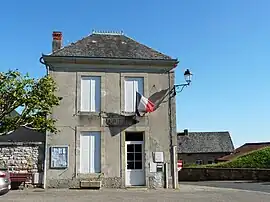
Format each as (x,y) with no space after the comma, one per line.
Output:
(98,60)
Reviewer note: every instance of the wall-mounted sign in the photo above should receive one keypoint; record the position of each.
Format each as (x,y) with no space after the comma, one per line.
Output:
(59,157)
(158,157)
(119,121)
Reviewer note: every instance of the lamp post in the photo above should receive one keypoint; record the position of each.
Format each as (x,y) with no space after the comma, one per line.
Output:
(176,89)
(188,78)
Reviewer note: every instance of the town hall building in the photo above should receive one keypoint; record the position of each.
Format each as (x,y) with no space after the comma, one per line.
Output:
(102,140)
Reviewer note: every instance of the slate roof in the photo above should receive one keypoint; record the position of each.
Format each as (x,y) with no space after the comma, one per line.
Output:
(23,134)
(205,142)
(110,46)
(248,147)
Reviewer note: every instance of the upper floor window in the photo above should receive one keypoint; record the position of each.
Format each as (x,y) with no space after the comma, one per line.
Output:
(132,84)
(90,94)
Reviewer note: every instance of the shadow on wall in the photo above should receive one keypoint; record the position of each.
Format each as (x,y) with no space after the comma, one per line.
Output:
(118,122)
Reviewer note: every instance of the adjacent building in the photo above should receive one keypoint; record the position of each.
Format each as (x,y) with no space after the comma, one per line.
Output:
(100,138)
(203,147)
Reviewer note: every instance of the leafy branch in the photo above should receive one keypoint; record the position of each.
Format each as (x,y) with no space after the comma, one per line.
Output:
(35,96)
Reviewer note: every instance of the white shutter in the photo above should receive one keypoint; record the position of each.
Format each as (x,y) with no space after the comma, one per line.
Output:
(90,160)
(132,85)
(85,94)
(135,89)
(84,154)
(129,96)
(90,94)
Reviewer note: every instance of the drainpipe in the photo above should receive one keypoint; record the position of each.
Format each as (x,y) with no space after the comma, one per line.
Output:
(45,147)
(170,131)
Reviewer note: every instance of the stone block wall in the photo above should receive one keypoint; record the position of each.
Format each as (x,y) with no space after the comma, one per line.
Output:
(19,157)
(218,174)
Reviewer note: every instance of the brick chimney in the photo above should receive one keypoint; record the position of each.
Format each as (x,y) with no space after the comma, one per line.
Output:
(57,41)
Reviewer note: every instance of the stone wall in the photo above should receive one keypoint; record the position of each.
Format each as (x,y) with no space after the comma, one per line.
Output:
(22,157)
(206,158)
(207,174)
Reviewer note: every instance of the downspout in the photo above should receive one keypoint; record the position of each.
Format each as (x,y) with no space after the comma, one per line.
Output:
(170,130)
(76,111)
(45,147)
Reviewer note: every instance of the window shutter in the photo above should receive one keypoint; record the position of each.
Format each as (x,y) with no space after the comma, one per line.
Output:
(129,96)
(85,94)
(132,85)
(135,89)
(84,154)
(90,94)
(90,160)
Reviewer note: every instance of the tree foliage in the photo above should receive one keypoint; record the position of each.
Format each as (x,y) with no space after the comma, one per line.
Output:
(255,159)
(36,97)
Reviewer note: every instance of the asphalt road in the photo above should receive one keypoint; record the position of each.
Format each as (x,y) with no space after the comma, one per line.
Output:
(242,185)
(187,193)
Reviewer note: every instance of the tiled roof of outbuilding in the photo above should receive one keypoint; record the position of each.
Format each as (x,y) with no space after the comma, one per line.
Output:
(205,142)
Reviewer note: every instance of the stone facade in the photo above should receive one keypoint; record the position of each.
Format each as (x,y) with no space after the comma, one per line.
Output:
(113,58)
(206,158)
(22,157)
(113,166)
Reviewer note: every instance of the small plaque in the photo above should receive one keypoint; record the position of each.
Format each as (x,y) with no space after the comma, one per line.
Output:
(153,167)
(159,157)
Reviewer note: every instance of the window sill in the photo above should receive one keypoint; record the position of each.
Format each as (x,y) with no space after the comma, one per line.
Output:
(88,113)
(90,175)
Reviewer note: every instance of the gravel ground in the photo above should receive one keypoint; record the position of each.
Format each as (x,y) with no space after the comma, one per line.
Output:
(186,193)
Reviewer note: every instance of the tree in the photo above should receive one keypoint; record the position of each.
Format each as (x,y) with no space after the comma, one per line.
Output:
(36,98)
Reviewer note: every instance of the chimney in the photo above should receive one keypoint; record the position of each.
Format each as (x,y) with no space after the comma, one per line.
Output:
(57,41)
(186,132)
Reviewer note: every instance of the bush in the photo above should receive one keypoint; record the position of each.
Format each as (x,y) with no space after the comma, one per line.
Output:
(255,159)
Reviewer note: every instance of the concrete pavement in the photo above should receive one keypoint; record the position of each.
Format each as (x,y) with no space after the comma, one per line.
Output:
(243,185)
(187,193)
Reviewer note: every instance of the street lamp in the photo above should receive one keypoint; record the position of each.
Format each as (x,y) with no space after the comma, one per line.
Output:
(173,148)
(188,77)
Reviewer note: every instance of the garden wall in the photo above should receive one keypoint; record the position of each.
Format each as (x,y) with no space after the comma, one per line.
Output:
(22,156)
(218,174)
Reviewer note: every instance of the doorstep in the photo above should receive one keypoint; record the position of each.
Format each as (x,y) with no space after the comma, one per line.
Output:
(137,188)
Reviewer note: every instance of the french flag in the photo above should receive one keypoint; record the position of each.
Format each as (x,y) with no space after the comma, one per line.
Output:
(143,105)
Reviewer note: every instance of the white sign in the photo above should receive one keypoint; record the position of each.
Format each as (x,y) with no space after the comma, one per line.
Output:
(153,167)
(159,157)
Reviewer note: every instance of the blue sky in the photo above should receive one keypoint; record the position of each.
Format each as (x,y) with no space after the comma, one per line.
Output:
(225,43)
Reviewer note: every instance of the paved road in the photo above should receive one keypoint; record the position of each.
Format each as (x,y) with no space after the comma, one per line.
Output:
(187,193)
(243,185)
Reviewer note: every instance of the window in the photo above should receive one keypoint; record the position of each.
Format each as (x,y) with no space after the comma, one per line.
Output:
(210,162)
(199,162)
(90,94)
(131,86)
(90,152)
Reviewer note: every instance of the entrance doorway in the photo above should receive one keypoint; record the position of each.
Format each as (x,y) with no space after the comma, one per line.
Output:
(135,172)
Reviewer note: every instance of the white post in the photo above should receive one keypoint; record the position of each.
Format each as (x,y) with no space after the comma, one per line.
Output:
(175,177)
(45,164)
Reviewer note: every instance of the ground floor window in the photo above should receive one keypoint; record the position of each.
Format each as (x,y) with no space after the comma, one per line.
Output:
(199,162)
(90,149)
